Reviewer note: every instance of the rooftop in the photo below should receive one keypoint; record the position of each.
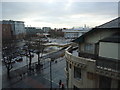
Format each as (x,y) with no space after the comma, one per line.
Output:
(115,38)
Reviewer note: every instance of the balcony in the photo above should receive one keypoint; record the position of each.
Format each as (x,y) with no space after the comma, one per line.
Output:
(66,72)
(111,64)
(93,63)
(79,62)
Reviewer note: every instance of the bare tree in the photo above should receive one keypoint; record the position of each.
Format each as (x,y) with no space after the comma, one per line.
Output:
(8,64)
(39,48)
(9,47)
(28,49)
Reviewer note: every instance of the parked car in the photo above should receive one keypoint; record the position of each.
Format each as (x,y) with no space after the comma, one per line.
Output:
(19,59)
(13,60)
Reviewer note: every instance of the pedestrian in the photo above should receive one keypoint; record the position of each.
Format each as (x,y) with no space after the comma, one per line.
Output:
(60,82)
(62,86)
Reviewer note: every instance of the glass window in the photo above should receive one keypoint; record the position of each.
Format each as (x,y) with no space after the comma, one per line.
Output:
(77,73)
(70,66)
(67,66)
(88,47)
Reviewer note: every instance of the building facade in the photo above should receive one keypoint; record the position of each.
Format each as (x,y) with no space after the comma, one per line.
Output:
(74,33)
(46,29)
(18,28)
(96,63)
(6,32)
(30,31)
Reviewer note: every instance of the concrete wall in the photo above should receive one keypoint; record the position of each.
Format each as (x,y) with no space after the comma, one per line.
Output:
(109,50)
(98,35)
(84,82)
(6,31)
(94,38)
(71,34)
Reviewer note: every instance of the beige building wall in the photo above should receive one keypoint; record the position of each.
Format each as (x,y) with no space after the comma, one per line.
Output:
(94,38)
(84,82)
(98,35)
(111,47)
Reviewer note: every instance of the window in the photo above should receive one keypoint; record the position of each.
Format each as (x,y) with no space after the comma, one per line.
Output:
(77,73)
(67,66)
(70,66)
(88,47)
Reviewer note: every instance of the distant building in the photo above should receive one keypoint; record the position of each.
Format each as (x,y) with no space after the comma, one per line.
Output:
(74,32)
(18,28)
(30,31)
(46,29)
(6,32)
(96,61)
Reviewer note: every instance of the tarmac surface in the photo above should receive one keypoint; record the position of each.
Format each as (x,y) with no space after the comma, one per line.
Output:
(21,77)
(38,79)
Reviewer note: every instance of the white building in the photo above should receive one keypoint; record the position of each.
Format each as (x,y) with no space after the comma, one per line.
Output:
(74,32)
(46,29)
(19,27)
(96,61)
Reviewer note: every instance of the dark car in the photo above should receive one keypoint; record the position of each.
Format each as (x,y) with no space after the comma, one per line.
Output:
(19,59)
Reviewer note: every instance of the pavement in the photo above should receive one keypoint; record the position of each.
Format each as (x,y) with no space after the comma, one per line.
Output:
(22,78)
(41,79)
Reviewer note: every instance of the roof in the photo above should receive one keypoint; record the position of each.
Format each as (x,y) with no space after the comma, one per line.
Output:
(115,23)
(99,28)
(115,38)
(74,31)
(81,38)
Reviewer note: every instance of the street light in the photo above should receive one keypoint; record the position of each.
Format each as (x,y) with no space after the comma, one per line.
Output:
(51,59)
(50,75)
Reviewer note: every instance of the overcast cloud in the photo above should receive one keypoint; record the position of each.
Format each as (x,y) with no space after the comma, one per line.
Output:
(60,14)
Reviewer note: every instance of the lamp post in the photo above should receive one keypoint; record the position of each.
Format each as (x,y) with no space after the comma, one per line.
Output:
(50,76)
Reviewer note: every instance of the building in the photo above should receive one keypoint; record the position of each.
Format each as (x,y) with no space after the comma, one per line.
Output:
(18,28)
(95,63)
(46,29)
(30,31)
(74,32)
(6,32)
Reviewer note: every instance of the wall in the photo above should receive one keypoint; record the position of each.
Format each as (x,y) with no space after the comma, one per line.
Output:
(109,50)
(19,27)
(98,35)
(94,38)
(6,31)
(84,82)
(71,34)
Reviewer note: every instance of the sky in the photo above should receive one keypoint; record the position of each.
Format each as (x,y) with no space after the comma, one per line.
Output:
(60,14)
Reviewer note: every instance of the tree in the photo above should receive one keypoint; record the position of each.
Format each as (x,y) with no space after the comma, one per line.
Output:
(28,49)
(8,64)
(39,48)
(8,53)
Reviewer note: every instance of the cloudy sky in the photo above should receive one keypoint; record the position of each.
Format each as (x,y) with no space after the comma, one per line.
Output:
(60,14)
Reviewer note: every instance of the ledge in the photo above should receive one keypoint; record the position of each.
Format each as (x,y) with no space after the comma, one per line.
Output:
(80,62)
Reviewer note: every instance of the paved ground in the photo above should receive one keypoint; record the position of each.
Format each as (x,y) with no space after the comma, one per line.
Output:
(40,79)
(37,80)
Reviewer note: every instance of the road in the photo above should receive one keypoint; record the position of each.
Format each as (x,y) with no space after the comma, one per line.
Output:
(42,78)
